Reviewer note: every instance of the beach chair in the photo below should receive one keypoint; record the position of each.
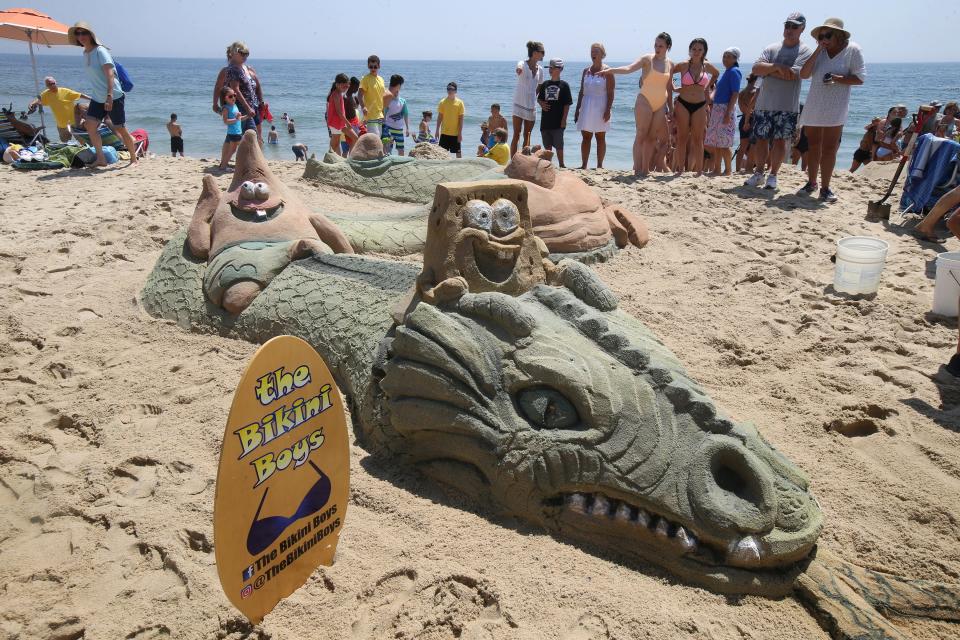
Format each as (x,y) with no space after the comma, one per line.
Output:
(106,134)
(14,131)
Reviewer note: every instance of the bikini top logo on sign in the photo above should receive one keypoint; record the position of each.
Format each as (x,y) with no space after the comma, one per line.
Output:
(283,480)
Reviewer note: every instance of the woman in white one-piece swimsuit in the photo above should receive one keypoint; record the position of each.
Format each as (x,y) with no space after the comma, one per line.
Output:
(594,103)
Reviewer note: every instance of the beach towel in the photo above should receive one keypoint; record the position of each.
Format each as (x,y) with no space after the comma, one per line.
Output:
(930,165)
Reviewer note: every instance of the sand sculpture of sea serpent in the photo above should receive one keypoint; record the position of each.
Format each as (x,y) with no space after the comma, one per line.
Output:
(521,384)
(567,214)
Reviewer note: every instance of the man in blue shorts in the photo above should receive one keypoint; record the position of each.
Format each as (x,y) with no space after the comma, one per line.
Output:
(778,103)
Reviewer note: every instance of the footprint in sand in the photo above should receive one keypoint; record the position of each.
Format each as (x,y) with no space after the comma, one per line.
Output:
(136,478)
(379,605)
(858,421)
(589,626)
(456,606)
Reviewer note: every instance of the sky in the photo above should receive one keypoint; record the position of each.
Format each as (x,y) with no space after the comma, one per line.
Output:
(906,31)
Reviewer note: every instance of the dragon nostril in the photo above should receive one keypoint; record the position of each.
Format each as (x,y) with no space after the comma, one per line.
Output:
(733,481)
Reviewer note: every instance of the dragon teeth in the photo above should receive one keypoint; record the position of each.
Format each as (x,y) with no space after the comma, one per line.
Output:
(577,502)
(745,551)
(686,540)
(662,528)
(261,213)
(623,513)
(601,506)
(643,518)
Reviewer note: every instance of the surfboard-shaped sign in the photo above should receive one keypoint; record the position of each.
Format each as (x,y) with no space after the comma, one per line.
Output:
(284,477)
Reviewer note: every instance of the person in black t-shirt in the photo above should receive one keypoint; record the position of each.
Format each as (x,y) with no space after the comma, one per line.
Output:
(555,100)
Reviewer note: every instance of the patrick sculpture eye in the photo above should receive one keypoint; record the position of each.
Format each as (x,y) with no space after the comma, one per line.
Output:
(478,214)
(261,191)
(247,190)
(547,408)
(505,217)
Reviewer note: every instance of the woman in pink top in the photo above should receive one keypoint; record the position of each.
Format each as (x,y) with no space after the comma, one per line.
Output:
(690,108)
(336,115)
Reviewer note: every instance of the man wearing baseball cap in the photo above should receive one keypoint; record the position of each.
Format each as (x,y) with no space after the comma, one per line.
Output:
(778,103)
(555,100)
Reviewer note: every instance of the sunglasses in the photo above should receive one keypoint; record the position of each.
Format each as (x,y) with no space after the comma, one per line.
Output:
(230,97)
(264,532)
(373,66)
(825,35)
(451,90)
(790,25)
(81,32)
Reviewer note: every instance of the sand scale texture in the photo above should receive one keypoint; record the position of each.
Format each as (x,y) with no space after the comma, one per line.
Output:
(112,420)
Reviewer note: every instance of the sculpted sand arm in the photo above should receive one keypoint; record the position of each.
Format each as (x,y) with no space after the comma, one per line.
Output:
(198,234)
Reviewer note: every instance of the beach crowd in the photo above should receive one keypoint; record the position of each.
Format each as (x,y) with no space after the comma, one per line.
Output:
(690,115)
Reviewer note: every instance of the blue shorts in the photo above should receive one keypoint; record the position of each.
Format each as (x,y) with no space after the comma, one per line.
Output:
(391,134)
(773,125)
(234,137)
(251,123)
(98,111)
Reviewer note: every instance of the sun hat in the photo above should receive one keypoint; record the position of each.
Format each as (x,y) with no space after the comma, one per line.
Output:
(797,18)
(830,23)
(556,63)
(72,36)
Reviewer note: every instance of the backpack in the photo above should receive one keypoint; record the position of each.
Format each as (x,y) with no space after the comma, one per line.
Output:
(125,82)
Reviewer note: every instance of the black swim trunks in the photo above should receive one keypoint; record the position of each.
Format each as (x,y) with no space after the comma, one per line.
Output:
(862,156)
(450,143)
(176,144)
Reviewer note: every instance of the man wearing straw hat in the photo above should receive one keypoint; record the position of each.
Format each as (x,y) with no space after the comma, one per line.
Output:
(107,98)
(61,101)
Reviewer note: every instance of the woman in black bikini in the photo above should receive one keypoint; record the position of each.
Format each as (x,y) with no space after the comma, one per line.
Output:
(697,76)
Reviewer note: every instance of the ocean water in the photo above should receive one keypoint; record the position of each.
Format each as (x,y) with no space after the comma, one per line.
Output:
(299,87)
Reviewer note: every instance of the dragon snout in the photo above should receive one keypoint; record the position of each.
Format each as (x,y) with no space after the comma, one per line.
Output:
(733,491)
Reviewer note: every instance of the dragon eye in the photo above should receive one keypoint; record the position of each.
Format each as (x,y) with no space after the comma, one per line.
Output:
(261,191)
(478,214)
(546,408)
(505,217)
(247,190)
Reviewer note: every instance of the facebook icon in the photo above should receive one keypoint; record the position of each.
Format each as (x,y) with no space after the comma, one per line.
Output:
(248,573)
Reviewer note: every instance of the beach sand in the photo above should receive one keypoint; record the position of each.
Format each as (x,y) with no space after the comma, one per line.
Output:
(112,425)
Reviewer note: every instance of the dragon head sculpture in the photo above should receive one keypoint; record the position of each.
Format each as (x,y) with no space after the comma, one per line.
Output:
(561,409)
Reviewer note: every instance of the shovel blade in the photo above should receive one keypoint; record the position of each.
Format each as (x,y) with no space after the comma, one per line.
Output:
(880,211)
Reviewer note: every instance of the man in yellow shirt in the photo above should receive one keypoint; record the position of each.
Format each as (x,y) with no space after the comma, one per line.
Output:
(371,97)
(450,114)
(60,100)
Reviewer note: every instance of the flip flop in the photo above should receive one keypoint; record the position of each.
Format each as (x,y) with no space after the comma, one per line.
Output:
(922,237)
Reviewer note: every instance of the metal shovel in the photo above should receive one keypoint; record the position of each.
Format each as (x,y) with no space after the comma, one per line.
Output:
(879,209)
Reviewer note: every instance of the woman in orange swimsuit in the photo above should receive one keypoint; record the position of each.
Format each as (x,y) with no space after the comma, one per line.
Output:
(697,76)
(653,101)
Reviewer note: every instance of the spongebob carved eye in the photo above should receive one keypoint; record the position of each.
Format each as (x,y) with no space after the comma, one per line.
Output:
(261,191)
(478,214)
(506,217)
(546,408)
(247,189)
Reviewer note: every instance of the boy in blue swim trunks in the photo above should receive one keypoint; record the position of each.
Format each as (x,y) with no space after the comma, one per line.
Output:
(396,121)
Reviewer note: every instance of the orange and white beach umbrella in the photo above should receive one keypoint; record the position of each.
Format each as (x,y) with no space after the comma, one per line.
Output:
(32,27)
(29,25)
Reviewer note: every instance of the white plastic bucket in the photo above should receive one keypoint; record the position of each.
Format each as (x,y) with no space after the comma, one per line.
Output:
(860,262)
(946,289)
